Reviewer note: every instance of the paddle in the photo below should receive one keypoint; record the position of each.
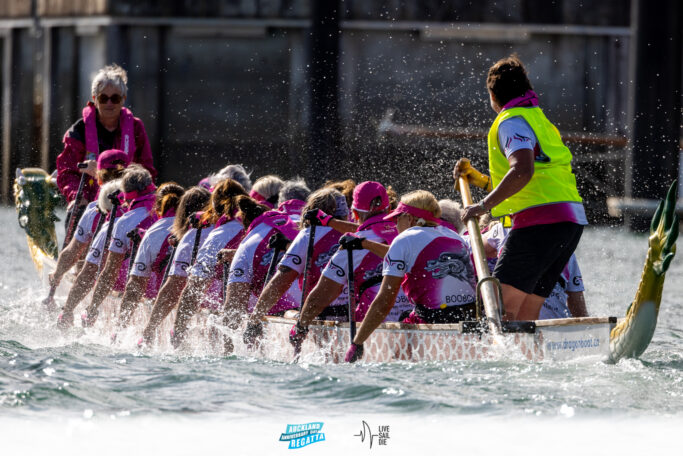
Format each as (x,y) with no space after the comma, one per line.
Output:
(309,261)
(195,222)
(168,265)
(304,287)
(352,296)
(278,242)
(135,237)
(77,210)
(114,198)
(488,286)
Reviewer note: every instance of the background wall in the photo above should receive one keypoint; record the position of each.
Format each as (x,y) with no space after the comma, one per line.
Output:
(219,82)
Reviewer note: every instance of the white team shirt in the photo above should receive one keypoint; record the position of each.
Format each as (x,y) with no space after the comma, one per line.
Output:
(151,244)
(515,134)
(97,246)
(207,257)
(120,242)
(85,229)
(183,251)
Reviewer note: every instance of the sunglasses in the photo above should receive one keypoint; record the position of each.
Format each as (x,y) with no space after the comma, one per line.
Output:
(103,98)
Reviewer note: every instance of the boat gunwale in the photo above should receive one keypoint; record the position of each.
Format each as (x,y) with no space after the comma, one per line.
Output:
(456,327)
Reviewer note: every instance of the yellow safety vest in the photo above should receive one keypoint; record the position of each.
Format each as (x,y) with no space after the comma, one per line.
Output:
(553,180)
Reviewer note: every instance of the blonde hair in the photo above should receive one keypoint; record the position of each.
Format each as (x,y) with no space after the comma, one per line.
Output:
(103,201)
(268,187)
(423,199)
(112,75)
(324,199)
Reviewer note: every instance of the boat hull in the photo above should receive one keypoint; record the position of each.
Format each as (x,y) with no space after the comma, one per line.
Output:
(327,342)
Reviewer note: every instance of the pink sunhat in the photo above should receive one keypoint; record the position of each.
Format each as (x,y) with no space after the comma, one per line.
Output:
(111,159)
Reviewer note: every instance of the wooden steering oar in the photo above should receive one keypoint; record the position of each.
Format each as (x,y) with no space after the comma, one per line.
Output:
(488,287)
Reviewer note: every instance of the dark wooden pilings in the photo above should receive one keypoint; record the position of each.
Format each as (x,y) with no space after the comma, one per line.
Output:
(323,126)
(656,101)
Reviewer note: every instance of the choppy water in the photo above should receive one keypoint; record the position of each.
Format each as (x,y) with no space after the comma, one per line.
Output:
(76,395)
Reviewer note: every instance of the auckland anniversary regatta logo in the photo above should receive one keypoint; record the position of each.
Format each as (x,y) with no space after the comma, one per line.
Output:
(301,435)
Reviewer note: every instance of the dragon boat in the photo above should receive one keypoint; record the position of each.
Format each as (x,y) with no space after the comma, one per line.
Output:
(606,338)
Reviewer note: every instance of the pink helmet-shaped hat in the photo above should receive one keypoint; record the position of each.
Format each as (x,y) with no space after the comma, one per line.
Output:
(366,192)
(111,159)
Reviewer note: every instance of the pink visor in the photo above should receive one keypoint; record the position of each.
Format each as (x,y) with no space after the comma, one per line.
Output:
(261,199)
(419,213)
(135,194)
(366,192)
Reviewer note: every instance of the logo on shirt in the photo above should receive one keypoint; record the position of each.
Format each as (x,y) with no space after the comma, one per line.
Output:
(268,256)
(296,259)
(451,264)
(324,257)
(337,269)
(373,273)
(400,264)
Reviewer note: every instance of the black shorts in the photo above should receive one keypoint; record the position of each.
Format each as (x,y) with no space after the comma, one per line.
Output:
(533,257)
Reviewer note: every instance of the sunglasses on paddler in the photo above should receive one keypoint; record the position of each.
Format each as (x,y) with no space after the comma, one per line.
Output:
(103,98)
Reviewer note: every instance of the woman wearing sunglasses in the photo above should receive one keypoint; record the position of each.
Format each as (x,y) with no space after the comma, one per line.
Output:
(106,124)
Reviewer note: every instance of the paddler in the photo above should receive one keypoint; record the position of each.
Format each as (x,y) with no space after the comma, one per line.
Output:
(204,285)
(292,198)
(110,166)
(139,195)
(105,124)
(153,255)
(266,190)
(195,199)
(531,180)
(371,203)
(294,264)
(251,262)
(430,261)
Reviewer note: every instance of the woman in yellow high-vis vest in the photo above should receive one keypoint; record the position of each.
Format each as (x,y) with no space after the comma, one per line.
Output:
(531,180)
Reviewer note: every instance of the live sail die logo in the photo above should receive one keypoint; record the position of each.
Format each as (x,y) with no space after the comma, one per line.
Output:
(301,435)
(380,437)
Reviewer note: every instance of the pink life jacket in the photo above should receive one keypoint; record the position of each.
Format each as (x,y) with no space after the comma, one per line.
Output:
(92,147)
(292,207)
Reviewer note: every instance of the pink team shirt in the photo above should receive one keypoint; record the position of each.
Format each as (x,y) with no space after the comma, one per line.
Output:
(436,264)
